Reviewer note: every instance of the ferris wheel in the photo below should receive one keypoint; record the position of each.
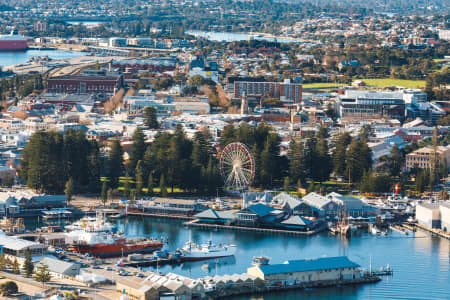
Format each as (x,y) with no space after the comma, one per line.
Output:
(237,166)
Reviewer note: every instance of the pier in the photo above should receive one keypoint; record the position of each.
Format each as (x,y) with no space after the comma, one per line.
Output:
(399,228)
(434,232)
(255,290)
(194,223)
(166,216)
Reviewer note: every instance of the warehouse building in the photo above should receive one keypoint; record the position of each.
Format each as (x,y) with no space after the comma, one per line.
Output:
(445,216)
(301,271)
(61,269)
(428,215)
(14,247)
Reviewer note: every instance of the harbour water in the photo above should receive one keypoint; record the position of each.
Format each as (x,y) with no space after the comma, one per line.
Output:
(421,263)
(20,57)
(88,24)
(233,37)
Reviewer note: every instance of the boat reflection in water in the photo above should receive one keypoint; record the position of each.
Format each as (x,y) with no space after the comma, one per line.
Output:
(209,266)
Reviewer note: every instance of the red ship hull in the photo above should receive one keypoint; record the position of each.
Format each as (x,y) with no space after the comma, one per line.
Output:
(11,45)
(119,249)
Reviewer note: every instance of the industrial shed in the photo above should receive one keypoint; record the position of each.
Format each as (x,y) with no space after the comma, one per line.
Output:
(294,272)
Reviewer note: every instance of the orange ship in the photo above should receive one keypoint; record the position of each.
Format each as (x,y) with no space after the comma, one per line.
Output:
(106,244)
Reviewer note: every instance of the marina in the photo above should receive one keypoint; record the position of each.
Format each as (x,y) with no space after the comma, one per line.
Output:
(390,250)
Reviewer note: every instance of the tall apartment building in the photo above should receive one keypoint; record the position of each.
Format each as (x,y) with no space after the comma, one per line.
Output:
(285,91)
(423,158)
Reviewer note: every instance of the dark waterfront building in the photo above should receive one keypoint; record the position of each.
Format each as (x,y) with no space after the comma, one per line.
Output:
(85,84)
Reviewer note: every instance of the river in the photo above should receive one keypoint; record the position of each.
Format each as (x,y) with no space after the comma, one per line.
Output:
(420,262)
(20,57)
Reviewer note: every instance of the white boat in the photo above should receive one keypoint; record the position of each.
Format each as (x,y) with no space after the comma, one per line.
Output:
(374,230)
(91,224)
(191,251)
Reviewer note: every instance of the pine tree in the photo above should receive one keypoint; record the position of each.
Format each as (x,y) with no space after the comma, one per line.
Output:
(286,183)
(115,162)
(104,192)
(266,168)
(95,167)
(419,183)
(354,169)
(323,160)
(296,167)
(15,267)
(311,158)
(139,178)
(150,185)
(42,274)
(396,161)
(69,190)
(2,261)
(138,148)
(28,264)
(162,186)
(311,187)
(339,153)
(150,118)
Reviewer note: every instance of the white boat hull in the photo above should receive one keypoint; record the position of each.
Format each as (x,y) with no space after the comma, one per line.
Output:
(192,255)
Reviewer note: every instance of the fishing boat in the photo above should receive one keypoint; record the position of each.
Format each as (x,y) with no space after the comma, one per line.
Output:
(260,260)
(192,251)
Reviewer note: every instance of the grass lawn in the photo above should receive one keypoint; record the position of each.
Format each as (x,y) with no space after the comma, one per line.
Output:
(322,85)
(383,82)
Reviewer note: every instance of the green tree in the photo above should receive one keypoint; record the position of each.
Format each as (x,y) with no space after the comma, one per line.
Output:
(311,158)
(395,161)
(15,267)
(296,167)
(340,153)
(8,288)
(104,194)
(286,183)
(419,183)
(150,185)
(138,148)
(42,274)
(69,190)
(139,178)
(115,163)
(150,118)
(323,160)
(2,261)
(28,263)
(162,186)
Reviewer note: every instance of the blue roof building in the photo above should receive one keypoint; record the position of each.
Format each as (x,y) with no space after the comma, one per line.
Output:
(308,270)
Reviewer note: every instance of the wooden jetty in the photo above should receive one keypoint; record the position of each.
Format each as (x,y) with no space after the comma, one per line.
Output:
(399,228)
(166,216)
(194,223)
